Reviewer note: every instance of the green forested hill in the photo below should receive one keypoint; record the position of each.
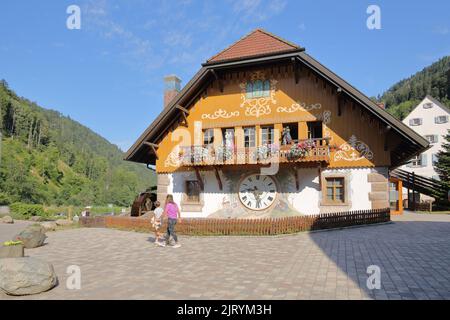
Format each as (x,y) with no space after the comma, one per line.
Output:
(434,80)
(49,158)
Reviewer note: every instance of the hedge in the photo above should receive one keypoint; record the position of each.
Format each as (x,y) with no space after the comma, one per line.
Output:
(24,210)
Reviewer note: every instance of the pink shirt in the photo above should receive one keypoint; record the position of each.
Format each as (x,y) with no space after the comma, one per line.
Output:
(172,210)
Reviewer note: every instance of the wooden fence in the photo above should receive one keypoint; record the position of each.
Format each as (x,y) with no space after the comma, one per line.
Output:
(264,226)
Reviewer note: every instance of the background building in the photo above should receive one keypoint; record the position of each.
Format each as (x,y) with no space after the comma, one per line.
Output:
(430,119)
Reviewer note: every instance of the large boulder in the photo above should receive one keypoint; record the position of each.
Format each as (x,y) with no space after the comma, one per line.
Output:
(7,219)
(32,237)
(37,218)
(24,276)
(13,251)
(63,222)
(49,225)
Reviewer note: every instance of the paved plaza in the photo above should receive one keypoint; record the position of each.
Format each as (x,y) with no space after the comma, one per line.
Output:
(413,253)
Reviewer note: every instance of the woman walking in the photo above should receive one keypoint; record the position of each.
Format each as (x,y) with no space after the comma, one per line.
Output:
(173,214)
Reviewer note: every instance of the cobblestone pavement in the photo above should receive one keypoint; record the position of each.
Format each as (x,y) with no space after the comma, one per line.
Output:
(413,254)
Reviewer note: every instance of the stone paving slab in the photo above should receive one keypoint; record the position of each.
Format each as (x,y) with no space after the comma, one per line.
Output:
(412,252)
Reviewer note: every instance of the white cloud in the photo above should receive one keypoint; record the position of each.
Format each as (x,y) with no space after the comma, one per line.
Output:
(442,30)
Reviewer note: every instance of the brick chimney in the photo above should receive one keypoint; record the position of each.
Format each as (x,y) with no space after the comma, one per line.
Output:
(381,105)
(172,85)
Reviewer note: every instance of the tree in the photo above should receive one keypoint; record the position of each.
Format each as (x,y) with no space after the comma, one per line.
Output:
(442,165)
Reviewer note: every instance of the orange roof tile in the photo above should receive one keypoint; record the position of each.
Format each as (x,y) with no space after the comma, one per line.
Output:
(256,43)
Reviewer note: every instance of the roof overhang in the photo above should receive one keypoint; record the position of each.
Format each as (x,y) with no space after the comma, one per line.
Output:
(411,145)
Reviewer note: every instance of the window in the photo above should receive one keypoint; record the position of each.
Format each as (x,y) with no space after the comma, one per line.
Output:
(208,136)
(432,138)
(415,122)
(249,137)
(434,158)
(315,130)
(419,161)
(335,190)
(441,119)
(428,105)
(257,89)
(416,161)
(228,137)
(192,191)
(267,135)
(292,128)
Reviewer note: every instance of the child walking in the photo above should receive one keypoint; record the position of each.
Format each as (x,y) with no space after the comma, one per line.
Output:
(173,214)
(157,222)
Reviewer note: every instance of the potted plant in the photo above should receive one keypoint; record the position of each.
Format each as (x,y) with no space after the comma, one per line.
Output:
(300,150)
(12,249)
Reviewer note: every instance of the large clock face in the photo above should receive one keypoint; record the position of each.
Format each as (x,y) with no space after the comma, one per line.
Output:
(257,192)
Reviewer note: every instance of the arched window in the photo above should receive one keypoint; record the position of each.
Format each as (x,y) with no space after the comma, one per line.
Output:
(249,90)
(257,89)
(266,88)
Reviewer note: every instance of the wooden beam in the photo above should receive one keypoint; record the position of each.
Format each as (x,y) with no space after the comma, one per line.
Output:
(153,147)
(199,178)
(219,80)
(297,180)
(186,111)
(388,129)
(296,68)
(320,177)
(219,181)
(339,97)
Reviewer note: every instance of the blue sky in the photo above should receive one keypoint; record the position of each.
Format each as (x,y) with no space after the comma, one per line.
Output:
(108,75)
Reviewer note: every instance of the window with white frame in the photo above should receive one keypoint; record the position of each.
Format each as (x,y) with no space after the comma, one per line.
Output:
(416,161)
(432,138)
(257,89)
(267,135)
(441,119)
(428,105)
(208,136)
(415,122)
(249,137)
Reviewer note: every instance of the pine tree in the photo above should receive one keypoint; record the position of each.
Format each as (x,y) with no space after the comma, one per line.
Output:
(442,165)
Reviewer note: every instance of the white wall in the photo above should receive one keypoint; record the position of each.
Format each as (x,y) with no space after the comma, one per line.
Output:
(428,127)
(306,200)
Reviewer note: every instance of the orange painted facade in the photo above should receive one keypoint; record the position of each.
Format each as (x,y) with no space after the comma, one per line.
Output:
(356,139)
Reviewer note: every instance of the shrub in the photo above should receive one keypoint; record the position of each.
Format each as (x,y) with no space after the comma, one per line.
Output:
(25,211)
(4,199)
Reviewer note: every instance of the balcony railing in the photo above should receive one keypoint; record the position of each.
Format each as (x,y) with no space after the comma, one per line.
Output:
(310,150)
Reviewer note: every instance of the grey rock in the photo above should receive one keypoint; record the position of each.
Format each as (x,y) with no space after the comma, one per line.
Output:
(7,219)
(32,236)
(49,225)
(24,276)
(63,222)
(36,218)
(15,251)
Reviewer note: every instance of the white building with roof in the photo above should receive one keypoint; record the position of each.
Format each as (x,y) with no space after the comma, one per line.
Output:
(431,119)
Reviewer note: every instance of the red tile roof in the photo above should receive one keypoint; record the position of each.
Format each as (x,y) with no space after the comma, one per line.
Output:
(256,43)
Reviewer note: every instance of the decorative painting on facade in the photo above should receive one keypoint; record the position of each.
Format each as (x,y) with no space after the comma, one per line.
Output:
(353,150)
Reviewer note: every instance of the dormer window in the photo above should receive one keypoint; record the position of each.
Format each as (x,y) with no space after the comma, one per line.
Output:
(428,105)
(258,89)
(441,119)
(415,122)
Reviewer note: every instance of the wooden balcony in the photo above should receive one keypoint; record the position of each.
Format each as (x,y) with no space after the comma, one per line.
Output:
(311,150)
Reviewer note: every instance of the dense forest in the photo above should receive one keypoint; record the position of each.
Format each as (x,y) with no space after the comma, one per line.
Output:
(48,158)
(403,96)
